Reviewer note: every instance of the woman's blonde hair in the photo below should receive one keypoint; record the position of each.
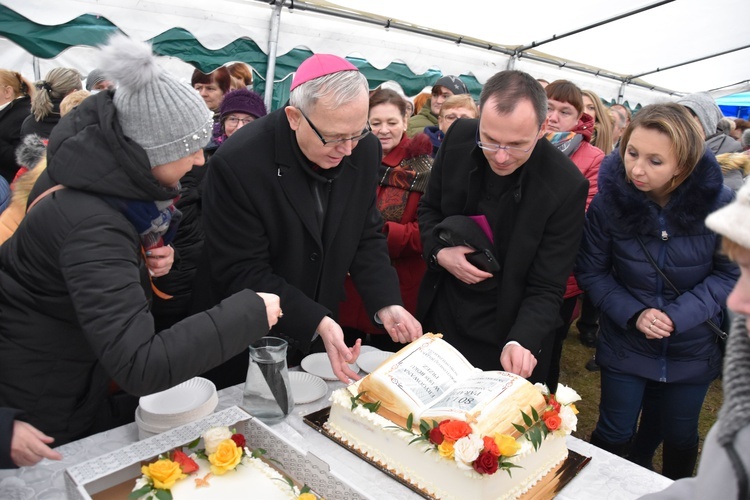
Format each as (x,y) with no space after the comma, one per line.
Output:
(602,138)
(683,131)
(58,83)
(72,100)
(20,85)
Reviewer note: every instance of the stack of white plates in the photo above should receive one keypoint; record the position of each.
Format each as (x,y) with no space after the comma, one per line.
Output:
(180,405)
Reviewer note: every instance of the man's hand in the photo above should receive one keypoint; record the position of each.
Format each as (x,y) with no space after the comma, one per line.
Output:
(518,360)
(29,445)
(159,260)
(400,324)
(339,354)
(453,260)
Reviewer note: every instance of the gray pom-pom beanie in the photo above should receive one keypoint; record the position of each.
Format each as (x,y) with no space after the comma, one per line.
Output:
(166,117)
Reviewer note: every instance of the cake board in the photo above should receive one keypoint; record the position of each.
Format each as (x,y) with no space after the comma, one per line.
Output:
(547,488)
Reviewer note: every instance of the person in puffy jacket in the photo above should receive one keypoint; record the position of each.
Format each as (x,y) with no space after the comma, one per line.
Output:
(75,276)
(656,351)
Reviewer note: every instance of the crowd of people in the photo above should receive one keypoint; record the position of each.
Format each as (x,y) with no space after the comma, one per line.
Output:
(156,228)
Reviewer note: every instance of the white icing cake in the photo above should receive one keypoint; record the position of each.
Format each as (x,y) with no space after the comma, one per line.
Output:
(425,468)
(252,478)
(430,380)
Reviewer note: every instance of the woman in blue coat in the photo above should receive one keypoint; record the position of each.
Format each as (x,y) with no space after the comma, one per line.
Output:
(655,350)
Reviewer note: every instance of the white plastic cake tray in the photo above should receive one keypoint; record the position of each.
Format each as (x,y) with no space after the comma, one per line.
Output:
(95,477)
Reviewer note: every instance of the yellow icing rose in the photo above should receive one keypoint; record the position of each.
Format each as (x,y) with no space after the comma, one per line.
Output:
(307,496)
(446,448)
(164,473)
(225,458)
(507,445)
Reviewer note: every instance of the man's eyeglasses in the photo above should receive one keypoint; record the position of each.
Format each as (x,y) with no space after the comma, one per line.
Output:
(233,120)
(511,150)
(334,142)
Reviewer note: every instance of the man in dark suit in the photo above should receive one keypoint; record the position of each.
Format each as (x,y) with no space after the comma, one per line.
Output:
(532,198)
(289,208)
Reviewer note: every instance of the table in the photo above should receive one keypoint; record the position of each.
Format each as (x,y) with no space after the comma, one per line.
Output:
(606,477)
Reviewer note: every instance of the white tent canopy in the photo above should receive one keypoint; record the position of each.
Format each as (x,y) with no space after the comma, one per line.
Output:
(633,47)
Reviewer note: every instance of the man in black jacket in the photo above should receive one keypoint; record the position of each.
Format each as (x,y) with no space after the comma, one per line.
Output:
(289,208)
(532,199)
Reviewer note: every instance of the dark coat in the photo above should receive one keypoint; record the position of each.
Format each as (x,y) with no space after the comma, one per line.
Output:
(44,127)
(621,282)
(74,291)
(548,220)
(262,231)
(11,119)
(188,245)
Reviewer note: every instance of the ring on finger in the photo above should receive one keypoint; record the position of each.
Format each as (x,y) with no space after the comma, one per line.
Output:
(651,327)
(653,321)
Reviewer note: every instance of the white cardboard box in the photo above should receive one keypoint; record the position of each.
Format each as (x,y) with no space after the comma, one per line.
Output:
(96,475)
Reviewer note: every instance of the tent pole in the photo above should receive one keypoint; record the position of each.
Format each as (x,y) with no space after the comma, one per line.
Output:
(37,70)
(273,47)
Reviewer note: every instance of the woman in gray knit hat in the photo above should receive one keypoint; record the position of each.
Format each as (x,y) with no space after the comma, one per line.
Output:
(724,469)
(75,286)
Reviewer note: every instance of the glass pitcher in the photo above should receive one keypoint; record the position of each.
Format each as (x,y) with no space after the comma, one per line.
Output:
(268,394)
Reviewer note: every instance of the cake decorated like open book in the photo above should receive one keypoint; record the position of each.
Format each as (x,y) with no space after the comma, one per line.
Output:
(225,468)
(450,429)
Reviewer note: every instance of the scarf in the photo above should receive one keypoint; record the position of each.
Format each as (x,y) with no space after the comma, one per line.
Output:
(735,412)
(567,142)
(155,221)
(399,177)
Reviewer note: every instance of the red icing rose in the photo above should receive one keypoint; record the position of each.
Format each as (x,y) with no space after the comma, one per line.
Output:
(490,446)
(436,437)
(454,429)
(239,440)
(486,463)
(552,420)
(553,403)
(186,463)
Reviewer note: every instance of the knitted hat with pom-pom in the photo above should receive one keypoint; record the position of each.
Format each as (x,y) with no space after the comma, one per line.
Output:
(166,117)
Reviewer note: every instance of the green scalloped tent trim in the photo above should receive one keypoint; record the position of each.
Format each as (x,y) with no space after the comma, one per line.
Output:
(49,41)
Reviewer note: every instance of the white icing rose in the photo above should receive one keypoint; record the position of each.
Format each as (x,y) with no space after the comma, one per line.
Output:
(543,388)
(467,449)
(212,438)
(565,395)
(568,419)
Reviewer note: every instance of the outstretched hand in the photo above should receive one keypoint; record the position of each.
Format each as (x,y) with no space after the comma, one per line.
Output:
(517,359)
(400,324)
(338,353)
(29,445)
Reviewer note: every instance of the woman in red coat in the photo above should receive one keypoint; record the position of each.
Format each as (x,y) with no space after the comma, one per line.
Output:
(569,129)
(405,170)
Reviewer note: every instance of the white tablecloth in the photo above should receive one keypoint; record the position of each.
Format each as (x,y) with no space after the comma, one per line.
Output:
(605,477)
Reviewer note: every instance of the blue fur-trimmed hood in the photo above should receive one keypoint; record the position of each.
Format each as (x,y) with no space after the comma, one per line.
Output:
(686,210)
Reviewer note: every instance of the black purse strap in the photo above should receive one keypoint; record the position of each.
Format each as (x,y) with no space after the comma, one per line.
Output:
(714,328)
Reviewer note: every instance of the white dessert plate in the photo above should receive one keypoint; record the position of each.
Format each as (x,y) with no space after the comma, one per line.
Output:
(306,387)
(183,398)
(319,364)
(367,348)
(370,360)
